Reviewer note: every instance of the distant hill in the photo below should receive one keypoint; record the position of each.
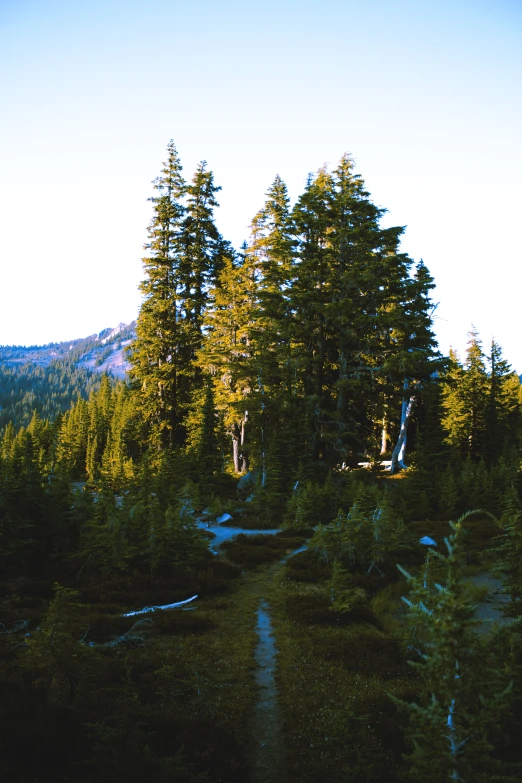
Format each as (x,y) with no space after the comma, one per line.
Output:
(49,378)
(103,352)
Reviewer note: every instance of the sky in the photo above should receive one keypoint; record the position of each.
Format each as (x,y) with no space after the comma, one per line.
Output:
(426,96)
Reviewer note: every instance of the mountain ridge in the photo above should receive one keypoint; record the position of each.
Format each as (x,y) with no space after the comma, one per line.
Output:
(102,352)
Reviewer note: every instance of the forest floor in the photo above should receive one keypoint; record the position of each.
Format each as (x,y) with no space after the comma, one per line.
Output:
(323,679)
(489,610)
(259,680)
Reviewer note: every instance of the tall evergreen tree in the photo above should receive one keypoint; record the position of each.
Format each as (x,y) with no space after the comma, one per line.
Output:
(414,360)
(502,406)
(155,354)
(203,251)
(270,255)
(186,253)
(480,403)
(309,290)
(227,352)
(362,321)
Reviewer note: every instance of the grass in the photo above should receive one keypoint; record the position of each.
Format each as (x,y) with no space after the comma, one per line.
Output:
(334,675)
(173,708)
(250,551)
(185,695)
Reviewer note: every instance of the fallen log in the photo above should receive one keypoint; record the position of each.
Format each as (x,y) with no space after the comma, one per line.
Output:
(166,607)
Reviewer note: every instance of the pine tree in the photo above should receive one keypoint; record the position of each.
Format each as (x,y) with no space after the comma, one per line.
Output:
(105,541)
(101,404)
(466,401)
(309,289)
(453,409)
(461,700)
(414,359)
(72,440)
(270,257)
(271,252)
(509,563)
(302,505)
(227,351)
(203,252)
(344,597)
(155,355)
(204,448)
(502,405)
(363,324)
(56,658)
(186,255)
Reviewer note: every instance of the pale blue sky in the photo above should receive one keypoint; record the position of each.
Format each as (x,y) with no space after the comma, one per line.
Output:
(425,95)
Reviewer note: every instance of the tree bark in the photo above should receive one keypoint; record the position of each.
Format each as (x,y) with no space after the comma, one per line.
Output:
(239,439)
(243,454)
(384,435)
(399,451)
(236,436)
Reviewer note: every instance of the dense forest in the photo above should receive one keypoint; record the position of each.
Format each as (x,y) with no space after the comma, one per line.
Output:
(48,379)
(287,547)
(49,390)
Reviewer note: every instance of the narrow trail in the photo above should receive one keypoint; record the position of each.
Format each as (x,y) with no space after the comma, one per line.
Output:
(269,754)
(268,762)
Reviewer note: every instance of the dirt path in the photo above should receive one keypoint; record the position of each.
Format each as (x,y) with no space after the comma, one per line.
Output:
(268,763)
(269,755)
(267,747)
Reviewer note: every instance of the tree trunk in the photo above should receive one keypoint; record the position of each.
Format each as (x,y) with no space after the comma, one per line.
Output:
(236,435)
(263,434)
(399,451)
(239,439)
(243,454)
(384,435)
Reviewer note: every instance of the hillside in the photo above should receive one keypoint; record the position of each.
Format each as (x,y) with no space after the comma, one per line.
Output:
(103,352)
(49,378)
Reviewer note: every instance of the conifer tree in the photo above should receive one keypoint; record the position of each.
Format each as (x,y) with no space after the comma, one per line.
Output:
(105,545)
(301,505)
(413,359)
(272,250)
(21,493)
(310,336)
(124,441)
(100,411)
(71,447)
(363,323)
(466,399)
(270,256)
(509,563)
(502,405)
(155,354)
(204,448)
(203,251)
(56,658)
(461,700)
(227,352)
(186,254)
(343,595)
